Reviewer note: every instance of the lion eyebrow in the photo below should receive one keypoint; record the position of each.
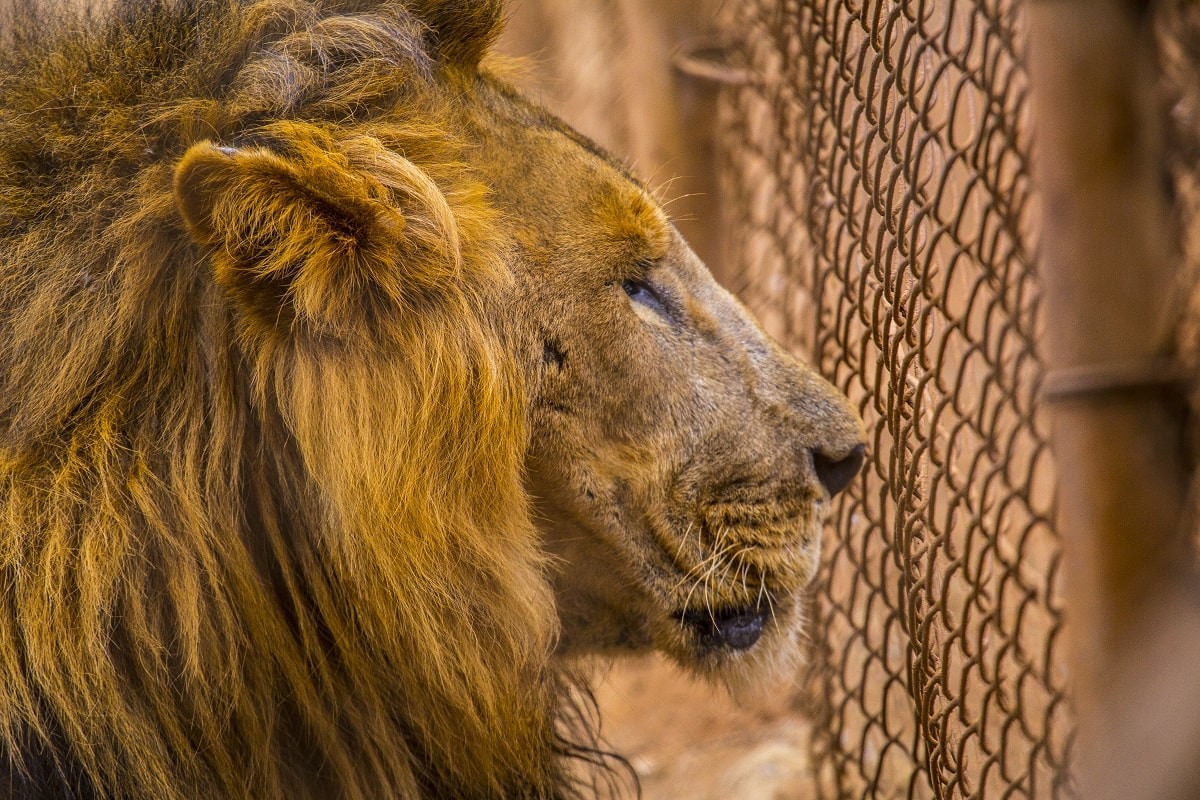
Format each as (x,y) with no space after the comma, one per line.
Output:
(632,218)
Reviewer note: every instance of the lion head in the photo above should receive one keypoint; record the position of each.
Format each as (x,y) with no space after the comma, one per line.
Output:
(681,463)
(345,395)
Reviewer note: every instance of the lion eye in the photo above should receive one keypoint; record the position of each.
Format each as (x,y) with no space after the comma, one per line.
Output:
(640,291)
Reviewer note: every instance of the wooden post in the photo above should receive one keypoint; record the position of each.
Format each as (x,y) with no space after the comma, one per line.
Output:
(1110,273)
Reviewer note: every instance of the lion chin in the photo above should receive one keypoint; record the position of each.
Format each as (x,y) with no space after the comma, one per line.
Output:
(345,397)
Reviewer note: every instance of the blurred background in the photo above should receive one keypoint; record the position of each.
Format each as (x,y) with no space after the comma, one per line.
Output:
(863,174)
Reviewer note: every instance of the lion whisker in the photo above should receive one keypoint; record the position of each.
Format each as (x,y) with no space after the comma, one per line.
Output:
(745,569)
(708,562)
(710,565)
(771,608)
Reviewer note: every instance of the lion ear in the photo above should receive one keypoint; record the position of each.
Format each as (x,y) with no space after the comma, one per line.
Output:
(307,237)
(461,31)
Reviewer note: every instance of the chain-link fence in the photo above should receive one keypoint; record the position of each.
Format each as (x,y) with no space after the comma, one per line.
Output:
(879,160)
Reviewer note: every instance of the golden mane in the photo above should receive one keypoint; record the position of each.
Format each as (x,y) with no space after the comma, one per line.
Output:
(264,565)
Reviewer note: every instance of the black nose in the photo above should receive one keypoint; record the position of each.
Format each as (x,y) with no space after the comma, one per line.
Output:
(835,474)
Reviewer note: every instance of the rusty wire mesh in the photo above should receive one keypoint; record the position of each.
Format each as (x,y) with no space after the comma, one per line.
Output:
(878,158)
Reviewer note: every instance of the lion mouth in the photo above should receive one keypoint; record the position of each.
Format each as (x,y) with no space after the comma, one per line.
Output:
(737,629)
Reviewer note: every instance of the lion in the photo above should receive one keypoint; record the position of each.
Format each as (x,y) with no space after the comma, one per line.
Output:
(348,399)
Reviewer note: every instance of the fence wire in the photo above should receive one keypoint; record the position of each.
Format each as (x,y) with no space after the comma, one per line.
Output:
(879,159)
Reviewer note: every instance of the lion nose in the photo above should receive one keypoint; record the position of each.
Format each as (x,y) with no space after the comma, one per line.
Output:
(836,473)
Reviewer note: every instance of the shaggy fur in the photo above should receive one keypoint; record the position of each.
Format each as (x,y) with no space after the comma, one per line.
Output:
(344,397)
(224,535)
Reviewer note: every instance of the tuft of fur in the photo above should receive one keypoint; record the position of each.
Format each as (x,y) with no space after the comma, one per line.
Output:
(461,31)
(262,527)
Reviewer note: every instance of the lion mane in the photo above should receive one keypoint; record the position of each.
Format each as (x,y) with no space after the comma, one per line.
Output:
(262,530)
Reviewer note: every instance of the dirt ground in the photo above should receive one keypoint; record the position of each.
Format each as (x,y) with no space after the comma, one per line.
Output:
(687,739)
